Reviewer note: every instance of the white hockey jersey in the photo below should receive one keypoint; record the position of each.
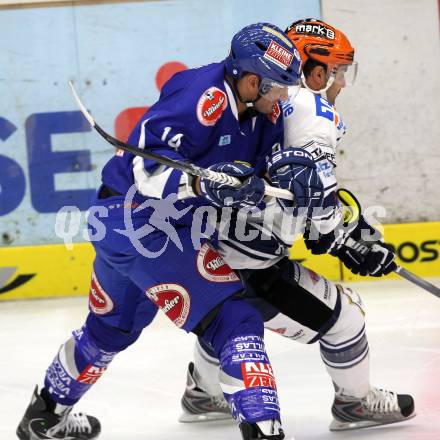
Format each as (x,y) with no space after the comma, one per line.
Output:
(312,123)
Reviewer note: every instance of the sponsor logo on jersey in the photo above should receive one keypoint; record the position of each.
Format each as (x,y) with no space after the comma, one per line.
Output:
(319,154)
(212,267)
(100,302)
(274,115)
(278,55)
(315,29)
(224,140)
(91,374)
(258,374)
(173,300)
(6,274)
(211,106)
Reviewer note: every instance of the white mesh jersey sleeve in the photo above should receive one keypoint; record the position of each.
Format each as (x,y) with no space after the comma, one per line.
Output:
(312,123)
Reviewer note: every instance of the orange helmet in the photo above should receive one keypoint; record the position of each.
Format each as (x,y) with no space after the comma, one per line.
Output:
(320,41)
(316,40)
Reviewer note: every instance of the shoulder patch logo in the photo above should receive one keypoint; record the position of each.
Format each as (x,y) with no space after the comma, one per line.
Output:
(173,300)
(211,106)
(212,267)
(276,111)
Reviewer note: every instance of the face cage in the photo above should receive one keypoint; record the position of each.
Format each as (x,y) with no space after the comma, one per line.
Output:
(273,91)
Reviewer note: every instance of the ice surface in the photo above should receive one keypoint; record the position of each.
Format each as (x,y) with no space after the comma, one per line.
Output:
(138,397)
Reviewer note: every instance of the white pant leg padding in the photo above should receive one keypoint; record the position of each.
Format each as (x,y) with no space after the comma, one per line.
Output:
(344,348)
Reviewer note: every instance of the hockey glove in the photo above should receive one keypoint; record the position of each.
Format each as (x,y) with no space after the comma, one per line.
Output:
(294,169)
(249,194)
(323,243)
(377,260)
(355,242)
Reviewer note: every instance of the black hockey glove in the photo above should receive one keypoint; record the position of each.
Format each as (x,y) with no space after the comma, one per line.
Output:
(249,194)
(376,261)
(355,242)
(295,170)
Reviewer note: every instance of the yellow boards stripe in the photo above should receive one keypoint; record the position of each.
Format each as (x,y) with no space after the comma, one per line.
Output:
(52,270)
(417,246)
(45,271)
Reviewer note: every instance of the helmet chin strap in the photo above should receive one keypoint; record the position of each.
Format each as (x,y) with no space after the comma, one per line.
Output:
(324,89)
(250,103)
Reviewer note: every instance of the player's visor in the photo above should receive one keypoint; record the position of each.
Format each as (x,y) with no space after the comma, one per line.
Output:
(273,91)
(344,74)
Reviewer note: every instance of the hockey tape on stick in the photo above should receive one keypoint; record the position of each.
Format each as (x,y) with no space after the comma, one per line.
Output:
(186,167)
(362,249)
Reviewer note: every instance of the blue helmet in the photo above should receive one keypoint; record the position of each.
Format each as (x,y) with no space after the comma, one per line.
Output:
(264,49)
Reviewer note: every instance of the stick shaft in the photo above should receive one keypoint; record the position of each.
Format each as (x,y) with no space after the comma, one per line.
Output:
(415,279)
(186,167)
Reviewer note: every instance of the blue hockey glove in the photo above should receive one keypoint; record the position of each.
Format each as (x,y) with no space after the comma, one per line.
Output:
(294,169)
(249,194)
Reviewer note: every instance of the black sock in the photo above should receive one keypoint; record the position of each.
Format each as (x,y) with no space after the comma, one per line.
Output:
(50,403)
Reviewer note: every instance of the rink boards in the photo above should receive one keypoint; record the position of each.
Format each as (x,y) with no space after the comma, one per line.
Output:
(53,270)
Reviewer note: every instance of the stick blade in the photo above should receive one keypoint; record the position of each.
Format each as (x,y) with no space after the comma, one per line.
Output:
(81,106)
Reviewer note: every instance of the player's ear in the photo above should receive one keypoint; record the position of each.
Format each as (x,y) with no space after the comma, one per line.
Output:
(319,74)
(253,82)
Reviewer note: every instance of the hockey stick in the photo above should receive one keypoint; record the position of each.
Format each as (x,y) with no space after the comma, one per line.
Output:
(362,249)
(413,278)
(186,167)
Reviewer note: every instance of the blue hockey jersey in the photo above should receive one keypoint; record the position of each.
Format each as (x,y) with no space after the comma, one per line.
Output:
(195,119)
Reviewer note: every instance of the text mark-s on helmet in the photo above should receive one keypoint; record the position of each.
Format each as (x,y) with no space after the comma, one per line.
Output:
(317,40)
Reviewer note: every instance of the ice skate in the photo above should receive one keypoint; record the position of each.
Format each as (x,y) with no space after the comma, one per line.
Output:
(268,429)
(379,407)
(39,422)
(198,405)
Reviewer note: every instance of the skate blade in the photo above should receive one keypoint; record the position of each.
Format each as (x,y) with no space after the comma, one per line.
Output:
(206,417)
(336,425)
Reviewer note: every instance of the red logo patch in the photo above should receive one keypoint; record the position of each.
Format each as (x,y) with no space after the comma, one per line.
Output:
(276,111)
(278,55)
(173,300)
(258,374)
(100,302)
(211,106)
(212,267)
(91,374)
